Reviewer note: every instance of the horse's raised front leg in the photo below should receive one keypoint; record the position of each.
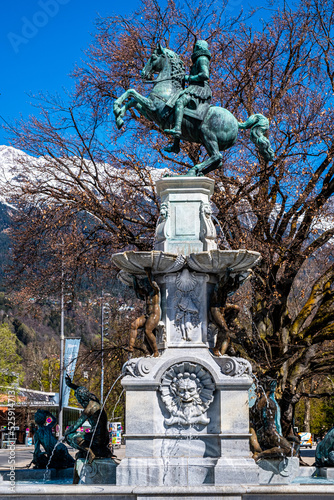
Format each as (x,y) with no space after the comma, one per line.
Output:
(140,102)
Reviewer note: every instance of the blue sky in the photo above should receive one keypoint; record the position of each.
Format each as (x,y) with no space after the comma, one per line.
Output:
(41,42)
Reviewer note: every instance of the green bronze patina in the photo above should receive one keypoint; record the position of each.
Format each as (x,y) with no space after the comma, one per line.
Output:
(186,113)
(93,444)
(55,454)
(324,454)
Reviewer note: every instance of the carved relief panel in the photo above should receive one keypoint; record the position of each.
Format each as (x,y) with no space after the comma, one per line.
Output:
(185,308)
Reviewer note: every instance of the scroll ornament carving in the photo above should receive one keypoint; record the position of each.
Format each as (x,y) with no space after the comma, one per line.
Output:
(137,367)
(235,367)
(161,232)
(208,230)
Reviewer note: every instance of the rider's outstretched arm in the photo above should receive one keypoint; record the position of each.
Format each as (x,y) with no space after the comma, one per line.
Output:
(69,383)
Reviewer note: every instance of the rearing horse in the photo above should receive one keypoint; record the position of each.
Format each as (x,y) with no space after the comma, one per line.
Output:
(218,129)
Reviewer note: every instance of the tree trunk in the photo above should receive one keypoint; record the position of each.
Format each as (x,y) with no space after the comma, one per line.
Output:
(307,419)
(287,405)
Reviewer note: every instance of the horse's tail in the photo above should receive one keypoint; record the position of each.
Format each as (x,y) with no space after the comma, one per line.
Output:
(259,124)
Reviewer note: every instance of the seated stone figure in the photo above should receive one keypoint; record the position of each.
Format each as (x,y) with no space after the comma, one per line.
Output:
(61,459)
(94,443)
(324,454)
(267,440)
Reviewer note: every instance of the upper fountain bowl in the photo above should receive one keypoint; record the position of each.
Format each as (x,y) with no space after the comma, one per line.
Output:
(158,262)
(216,261)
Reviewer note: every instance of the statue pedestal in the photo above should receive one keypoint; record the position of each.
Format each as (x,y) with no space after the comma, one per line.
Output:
(326,472)
(187,421)
(185,224)
(101,471)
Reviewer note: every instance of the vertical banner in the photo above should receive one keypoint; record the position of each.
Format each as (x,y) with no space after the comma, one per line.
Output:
(70,358)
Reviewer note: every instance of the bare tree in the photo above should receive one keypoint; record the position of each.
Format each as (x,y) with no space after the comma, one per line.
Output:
(92,187)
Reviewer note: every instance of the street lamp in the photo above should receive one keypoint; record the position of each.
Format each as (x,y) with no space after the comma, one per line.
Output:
(62,340)
(105,310)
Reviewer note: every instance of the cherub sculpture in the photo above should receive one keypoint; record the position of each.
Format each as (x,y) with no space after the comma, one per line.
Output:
(146,289)
(223,313)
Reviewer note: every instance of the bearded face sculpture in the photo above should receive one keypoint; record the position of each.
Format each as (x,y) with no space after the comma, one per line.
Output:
(187,391)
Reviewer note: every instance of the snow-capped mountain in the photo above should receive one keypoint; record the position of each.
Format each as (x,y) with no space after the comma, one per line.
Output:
(11,167)
(9,161)
(12,163)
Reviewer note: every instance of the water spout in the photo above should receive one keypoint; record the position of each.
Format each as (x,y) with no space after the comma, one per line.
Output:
(97,422)
(46,473)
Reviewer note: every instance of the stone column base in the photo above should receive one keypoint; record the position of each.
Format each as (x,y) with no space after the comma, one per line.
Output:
(278,470)
(327,472)
(101,471)
(168,471)
(238,470)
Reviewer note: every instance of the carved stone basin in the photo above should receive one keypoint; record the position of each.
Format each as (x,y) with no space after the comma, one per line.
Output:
(159,262)
(216,261)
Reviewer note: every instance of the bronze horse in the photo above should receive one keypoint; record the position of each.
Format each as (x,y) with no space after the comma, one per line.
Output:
(216,129)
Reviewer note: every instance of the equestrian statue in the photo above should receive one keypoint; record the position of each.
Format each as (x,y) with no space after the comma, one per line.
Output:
(185,112)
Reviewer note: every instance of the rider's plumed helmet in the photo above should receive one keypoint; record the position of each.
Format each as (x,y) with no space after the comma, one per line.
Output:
(201,48)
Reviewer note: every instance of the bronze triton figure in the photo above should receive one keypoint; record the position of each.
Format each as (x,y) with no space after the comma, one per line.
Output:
(93,444)
(61,459)
(267,440)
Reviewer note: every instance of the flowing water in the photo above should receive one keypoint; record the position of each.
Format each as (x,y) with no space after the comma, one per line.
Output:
(46,473)
(83,471)
(118,400)
(168,447)
(221,237)
(68,480)
(180,446)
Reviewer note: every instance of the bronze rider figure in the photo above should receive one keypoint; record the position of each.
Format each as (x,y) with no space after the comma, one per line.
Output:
(198,90)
